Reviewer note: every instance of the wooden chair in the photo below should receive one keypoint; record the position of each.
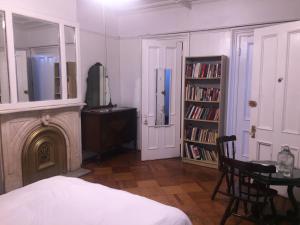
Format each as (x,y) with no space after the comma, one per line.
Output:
(225,148)
(244,185)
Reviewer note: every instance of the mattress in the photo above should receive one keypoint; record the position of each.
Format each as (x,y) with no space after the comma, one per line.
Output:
(72,201)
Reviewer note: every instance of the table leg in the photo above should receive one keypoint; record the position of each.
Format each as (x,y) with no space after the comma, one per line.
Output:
(295,212)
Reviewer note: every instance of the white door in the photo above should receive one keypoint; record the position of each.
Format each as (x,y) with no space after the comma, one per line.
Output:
(162,62)
(275,89)
(22,77)
(243,79)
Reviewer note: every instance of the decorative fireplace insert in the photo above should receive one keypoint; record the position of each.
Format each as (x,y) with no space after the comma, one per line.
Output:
(44,154)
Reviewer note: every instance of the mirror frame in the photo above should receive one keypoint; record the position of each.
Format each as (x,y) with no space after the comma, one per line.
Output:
(14,105)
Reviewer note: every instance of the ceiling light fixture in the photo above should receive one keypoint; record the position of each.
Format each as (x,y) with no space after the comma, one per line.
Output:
(116,3)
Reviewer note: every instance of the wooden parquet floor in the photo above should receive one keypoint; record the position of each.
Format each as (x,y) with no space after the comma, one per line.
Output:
(171,182)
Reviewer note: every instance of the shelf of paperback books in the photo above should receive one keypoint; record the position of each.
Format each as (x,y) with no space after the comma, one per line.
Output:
(203,112)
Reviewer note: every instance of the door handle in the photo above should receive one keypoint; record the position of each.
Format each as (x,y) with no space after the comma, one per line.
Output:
(253,131)
(252,104)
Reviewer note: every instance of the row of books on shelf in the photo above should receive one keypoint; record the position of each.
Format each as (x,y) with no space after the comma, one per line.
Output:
(199,153)
(200,113)
(197,93)
(201,135)
(203,70)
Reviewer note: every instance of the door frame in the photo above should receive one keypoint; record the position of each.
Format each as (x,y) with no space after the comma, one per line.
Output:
(231,124)
(185,39)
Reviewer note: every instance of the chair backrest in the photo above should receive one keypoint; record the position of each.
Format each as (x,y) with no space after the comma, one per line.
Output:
(248,181)
(226,148)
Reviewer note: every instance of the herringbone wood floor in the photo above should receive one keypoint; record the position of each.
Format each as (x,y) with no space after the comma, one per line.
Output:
(171,182)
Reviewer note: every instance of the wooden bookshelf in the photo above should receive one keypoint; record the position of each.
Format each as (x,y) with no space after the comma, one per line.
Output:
(203,109)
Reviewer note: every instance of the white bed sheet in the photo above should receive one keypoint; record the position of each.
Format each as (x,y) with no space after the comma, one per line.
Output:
(72,201)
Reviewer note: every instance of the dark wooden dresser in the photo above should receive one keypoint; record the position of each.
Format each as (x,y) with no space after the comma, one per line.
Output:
(105,129)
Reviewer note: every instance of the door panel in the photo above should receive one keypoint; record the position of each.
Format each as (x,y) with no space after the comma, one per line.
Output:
(265,72)
(264,150)
(22,81)
(291,111)
(267,78)
(275,86)
(161,140)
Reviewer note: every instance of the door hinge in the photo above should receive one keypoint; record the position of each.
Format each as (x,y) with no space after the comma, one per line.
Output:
(253,131)
(239,52)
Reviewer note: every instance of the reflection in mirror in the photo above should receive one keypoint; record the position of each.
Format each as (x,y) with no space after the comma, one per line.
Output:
(163,88)
(70,41)
(37,52)
(98,91)
(104,88)
(4,81)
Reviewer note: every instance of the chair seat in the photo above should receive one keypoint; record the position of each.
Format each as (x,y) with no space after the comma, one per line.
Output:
(253,195)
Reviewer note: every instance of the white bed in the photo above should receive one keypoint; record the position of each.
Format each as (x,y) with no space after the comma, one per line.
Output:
(72,201)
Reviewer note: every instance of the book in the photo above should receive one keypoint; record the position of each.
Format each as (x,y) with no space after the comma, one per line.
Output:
(187,153)
(195,152)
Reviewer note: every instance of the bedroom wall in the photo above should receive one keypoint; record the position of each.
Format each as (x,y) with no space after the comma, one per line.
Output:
(88,13)
(134,26)
(94,47)
(209,14)
(55,8)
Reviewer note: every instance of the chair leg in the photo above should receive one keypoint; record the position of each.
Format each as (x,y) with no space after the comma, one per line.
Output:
(216,189)
(245,207)
(236,206)
(273,208)
(227,212)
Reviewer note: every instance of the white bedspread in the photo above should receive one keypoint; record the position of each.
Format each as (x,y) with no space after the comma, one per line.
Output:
(72,201)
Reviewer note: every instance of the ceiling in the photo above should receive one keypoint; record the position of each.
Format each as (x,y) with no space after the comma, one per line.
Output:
(144,4)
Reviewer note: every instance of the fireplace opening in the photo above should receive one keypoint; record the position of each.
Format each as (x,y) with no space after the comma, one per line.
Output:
(44,155)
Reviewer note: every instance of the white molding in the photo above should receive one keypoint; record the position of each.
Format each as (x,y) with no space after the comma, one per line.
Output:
(45,105)
(63,60)
(11,57)
(161,5)
(78,63)
(14,105)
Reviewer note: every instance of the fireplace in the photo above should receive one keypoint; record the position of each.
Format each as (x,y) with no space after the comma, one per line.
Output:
(44,154)
(39,144)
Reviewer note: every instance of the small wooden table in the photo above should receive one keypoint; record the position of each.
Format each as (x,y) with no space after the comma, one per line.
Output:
(279,180)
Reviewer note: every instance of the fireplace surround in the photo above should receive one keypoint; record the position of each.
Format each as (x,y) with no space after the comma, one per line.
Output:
(47,141)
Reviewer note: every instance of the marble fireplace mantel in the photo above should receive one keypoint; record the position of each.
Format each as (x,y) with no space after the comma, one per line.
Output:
(17,126)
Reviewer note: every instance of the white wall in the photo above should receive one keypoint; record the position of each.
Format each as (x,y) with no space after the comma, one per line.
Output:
(134,26)
(88,13)
(65,9)
(131,76)
(218,13)
(93,44)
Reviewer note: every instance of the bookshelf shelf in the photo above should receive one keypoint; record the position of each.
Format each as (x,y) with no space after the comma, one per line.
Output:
(213,102)
(202,79)
(206,163)
(206,121)
(203,119)
(198,142)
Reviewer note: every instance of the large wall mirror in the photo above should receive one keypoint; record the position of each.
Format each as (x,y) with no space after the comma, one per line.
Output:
(163,98)
(37,52)
(98,88)
(4,78)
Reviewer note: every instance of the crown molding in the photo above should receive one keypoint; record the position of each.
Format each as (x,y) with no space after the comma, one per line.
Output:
(166,4)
